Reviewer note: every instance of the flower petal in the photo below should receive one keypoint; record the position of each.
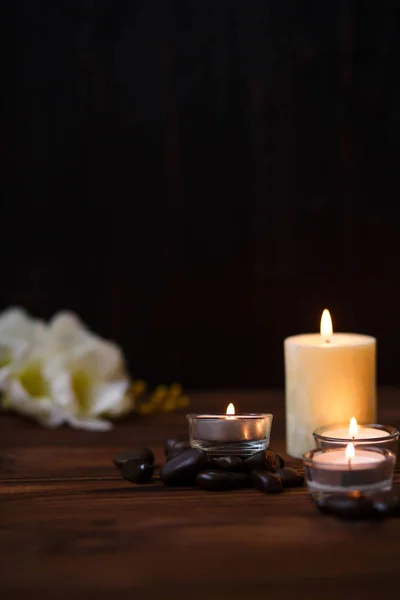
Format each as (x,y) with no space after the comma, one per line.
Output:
(40,409)
(111,398)
(89,424)
(60,386)
(69,341)
(4,374)
(18,331)
(67,331)
(13,322)
(100,358)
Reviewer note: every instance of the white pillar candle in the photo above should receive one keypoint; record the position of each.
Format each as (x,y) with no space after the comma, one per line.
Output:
(330,377)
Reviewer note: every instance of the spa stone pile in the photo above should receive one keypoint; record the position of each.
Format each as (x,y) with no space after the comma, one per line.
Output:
(186,466)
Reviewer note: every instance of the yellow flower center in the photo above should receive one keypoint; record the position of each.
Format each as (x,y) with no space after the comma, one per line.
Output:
(81,385)
(5,358)
(31,377)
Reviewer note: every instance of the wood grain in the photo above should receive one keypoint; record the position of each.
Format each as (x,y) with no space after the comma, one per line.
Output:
(71,527)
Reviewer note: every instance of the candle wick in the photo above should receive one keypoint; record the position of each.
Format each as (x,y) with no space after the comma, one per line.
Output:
(327,341)
(349,464)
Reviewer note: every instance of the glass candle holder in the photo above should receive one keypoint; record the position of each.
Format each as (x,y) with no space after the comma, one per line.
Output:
(328,472)
(230,435)
(370,434)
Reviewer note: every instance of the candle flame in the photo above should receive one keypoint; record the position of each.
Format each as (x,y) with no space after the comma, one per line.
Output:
(350,451)
(231,409)
(326,325)
(353,427)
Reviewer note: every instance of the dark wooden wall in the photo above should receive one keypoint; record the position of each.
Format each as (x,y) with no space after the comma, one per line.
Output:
(200,179)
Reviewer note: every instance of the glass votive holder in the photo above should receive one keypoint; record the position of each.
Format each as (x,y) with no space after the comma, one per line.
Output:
(371,435)
(228,435)
(328,472)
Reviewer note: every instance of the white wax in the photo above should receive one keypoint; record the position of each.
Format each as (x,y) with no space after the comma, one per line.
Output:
(362,434)
(335,340)
(337,459)
(227,428)
(327,383)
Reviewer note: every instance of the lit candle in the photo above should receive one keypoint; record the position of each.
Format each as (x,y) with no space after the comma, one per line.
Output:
(240,434)
(348,470)
(230,427)
(348,459)
(329,377)
(230,411)
(378,436)
(355,432)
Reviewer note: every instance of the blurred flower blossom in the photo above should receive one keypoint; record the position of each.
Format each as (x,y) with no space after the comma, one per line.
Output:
(61,373)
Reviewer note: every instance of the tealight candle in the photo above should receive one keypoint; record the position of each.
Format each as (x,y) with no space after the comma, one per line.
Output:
(355,432)
(348,459)
(378,436)
(344,470)
(230,434)
(329,377)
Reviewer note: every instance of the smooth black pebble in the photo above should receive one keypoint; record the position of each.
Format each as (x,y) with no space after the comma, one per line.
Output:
(273,460)
(175,444)
(182,469)
(230,463)
(173,453)
(278,458)
(221,480)
(266,482)
(137,472)
(290,477)
(267,460)
(181,446)
(140,454)
(255,461)
(348,507)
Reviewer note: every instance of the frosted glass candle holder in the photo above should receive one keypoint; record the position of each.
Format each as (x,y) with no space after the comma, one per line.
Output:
(328,472)
(371,435)
(230,435)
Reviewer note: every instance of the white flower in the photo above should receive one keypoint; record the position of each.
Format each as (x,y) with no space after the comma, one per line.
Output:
(19,333)
(61,372)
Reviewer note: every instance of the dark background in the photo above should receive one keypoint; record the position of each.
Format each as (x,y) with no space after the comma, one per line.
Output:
(198,179)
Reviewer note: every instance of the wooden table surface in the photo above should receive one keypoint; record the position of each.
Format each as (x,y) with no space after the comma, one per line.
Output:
(70,527)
